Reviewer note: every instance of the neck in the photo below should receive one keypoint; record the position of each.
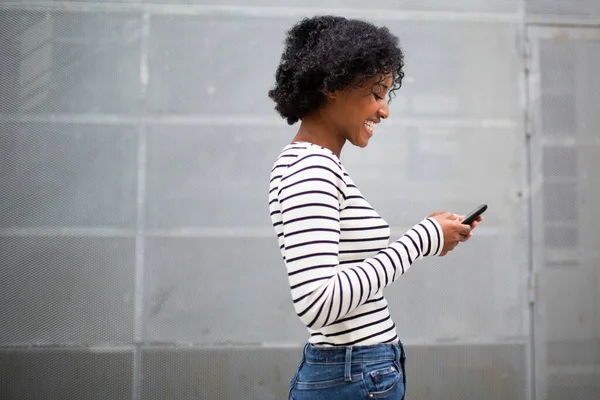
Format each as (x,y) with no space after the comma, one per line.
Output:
(314,129)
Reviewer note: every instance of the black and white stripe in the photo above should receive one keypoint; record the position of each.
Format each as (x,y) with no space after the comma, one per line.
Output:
(336,248)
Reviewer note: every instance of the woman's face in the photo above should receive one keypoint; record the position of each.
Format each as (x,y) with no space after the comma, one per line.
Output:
(356,112)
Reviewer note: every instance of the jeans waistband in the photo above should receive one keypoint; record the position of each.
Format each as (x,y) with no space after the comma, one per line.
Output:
(345,354)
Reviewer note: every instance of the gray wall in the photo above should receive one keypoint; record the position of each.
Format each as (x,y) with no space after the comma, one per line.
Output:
(565,99)
(136,252)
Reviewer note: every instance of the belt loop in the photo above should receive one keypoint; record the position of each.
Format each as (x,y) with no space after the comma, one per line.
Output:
(397,352)
(348,366)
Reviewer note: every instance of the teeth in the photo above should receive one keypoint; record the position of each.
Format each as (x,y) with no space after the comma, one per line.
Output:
(370,125)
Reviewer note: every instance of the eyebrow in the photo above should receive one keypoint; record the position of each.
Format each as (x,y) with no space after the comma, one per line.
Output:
(381,84)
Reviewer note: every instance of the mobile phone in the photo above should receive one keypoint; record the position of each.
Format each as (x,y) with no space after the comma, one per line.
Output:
(470,217)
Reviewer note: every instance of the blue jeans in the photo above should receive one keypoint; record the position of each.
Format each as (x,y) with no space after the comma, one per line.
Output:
(359,372)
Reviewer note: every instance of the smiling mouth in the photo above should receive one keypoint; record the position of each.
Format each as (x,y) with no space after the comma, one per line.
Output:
(369,126)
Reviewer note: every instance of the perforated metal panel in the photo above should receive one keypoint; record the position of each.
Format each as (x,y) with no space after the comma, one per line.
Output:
(187,163)
(62,62)
(58,175)
(217,373)
(466,371)
(189,286)
(565,153)
(584,8)
(505,6)
(213,66)
(66,373)
(58,290)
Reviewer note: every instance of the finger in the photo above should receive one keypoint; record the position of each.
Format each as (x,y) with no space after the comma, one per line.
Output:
(464,229)
(476,221)
(464,238)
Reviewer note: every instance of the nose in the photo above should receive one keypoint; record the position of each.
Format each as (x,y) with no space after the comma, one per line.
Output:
(384,111)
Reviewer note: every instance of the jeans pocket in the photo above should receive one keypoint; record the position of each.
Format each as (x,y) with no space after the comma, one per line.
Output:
(382,379)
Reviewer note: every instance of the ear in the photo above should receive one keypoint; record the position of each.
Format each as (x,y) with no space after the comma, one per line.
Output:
(329,95)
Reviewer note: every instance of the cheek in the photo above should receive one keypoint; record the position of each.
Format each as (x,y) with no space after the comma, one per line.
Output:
(359,109)
(366,108)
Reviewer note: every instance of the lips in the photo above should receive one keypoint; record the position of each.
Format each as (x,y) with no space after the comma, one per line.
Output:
(370,126)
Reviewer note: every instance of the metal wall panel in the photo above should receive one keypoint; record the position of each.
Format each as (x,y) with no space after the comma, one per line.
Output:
(204,176)
(503,6)
(190,283)
(443,60)
(213,66)
(61,62)
(565,152)
(66,373)
(217,372)
(467,371)
(66,290)
(582,8)
(59,175)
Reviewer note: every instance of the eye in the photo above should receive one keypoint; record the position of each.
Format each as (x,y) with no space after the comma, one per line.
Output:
(377,97)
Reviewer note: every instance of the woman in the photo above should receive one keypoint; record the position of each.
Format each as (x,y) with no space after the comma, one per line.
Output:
(335,76)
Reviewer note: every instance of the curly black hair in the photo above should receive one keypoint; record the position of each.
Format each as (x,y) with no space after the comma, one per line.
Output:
(328,53)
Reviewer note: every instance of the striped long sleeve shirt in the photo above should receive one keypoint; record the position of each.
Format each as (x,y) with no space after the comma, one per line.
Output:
(336,248)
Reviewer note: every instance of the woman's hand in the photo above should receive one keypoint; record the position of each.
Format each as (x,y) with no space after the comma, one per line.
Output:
(454,231)
(473,225)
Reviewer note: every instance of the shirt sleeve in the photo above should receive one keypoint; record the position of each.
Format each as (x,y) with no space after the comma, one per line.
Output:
(311,193)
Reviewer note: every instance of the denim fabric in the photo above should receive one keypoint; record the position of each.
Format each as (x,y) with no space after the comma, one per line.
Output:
(359,372)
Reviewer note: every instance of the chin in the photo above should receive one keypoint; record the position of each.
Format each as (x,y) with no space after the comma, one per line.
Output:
(362,142)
